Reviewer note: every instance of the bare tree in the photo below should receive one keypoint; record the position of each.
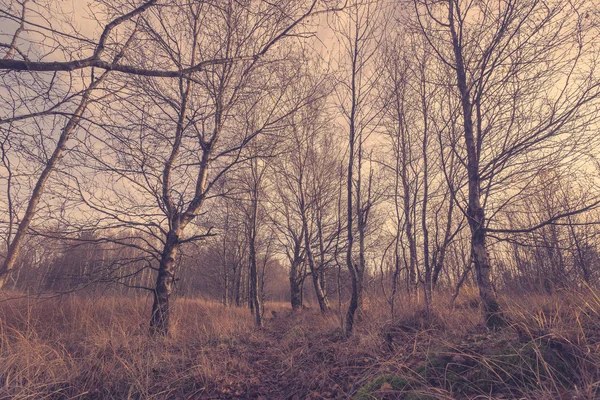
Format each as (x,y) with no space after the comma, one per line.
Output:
(59,36)
(506,58)
(172,140)
(359,30)
(73,119)
(284,24)
(306,193)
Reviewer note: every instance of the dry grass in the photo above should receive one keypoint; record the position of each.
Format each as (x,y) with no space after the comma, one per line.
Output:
(82,348)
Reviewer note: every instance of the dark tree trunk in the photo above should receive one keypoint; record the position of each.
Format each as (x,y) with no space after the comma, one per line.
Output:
(353,306)
(226,290)
(395,277)
(159,321)
(254,299)
(295,290)
(408,218)
(255,305)
(237,284)
(296,271)
(322,300)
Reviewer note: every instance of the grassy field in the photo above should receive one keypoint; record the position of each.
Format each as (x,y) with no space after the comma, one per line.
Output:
(69,348)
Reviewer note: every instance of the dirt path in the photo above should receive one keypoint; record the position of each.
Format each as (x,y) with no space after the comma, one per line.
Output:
(294,357)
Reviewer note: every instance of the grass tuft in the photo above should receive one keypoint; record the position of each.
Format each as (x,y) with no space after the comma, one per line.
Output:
(76,347)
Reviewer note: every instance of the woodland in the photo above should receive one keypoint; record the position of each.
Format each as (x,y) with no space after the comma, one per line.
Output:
(299,199)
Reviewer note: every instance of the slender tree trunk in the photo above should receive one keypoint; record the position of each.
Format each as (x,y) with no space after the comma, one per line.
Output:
(361,219)
(352,307)
(296,272)
(323,303)
(321,299)
(427,290)
(226,263)
(395,278)
(226,289)
(397,243)
(441,258)
(237,284)
(427,287)
(14,247)
(302,288)
(322,274)
(254,299)
(408,219)
(475,211)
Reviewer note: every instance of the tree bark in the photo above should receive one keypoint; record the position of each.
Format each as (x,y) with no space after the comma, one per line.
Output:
(408,218)
(475,211)
(448,236)
(295,289)
(254,294)
(296,273)
(427,286)
(322,300)
(352,307)
(323,303)
(160,318)
(237,284)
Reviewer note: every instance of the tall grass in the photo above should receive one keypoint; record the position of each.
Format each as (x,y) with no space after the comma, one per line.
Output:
(65,348)
(75,347)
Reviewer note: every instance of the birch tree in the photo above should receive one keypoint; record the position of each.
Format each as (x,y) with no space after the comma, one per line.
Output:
(359,30)
(525,75)
(174,139)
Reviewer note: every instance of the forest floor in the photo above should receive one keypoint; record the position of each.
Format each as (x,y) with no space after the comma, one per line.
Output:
(75,347)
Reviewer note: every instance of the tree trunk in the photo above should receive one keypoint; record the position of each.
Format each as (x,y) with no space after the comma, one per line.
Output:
(427,287)
(255,305)
(352,307)
(237,284)
(323,279)
(408,218)
(296,272)
(159,321)
(481,262)
(395,278)
(254,295)
(295,289)
(322,300)
(362,263)
(475,211)
(226,289)
(323,303)
(14,247)
(322,272)
(441,256)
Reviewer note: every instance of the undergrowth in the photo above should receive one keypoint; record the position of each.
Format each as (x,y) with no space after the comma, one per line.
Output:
(75,347)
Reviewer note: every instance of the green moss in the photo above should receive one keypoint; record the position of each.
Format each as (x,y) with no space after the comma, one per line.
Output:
(368,391)
(502,364)
(295,333)
(493,363)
